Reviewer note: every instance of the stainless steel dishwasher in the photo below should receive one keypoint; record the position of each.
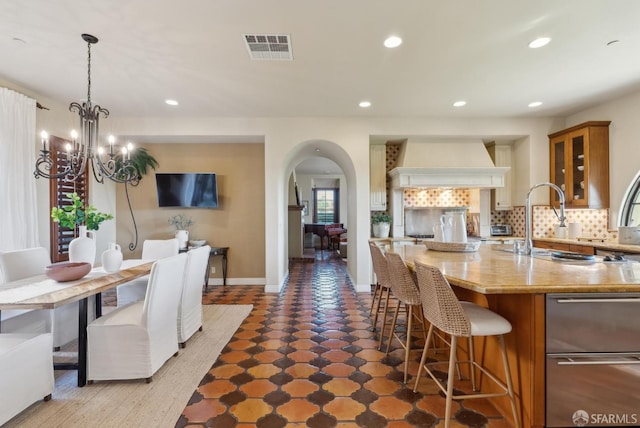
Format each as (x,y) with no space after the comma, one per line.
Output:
(593,359)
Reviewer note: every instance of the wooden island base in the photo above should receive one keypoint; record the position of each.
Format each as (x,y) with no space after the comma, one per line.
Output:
(516,286)
(525,349)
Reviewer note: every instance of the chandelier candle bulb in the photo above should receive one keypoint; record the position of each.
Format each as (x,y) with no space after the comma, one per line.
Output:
(45,138)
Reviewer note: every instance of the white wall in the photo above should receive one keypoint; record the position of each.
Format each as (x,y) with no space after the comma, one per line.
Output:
(624,162)
(348,142)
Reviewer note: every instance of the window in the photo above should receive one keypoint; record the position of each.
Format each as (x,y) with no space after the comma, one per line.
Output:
(58,189)
(631,207)
(326,205)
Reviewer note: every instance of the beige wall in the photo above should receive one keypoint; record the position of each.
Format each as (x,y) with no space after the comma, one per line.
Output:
(238,223)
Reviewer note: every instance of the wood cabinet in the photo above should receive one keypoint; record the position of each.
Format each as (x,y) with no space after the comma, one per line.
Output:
(501,155)
(579,165)
(561,246)
(378,177)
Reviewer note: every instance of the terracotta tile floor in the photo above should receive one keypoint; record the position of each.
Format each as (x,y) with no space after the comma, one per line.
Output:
(308,357)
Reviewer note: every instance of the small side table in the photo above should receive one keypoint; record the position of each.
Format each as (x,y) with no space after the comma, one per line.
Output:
(217,251)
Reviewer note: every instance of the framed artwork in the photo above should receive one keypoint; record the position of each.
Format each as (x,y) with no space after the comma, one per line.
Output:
(305,210)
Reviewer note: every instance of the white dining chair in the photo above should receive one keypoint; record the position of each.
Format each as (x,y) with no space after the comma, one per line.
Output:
(134,341)
(152,249)
(26,370)
(190,309)
(62,322)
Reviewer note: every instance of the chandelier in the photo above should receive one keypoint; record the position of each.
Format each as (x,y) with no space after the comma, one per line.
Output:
(113,162)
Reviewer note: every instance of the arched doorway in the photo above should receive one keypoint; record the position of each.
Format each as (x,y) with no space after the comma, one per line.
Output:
(330,150)
(322,190)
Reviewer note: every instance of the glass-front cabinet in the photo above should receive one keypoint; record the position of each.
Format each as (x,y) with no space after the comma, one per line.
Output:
(579,165)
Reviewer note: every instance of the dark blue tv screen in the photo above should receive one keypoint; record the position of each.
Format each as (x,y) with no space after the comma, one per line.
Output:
(187,190)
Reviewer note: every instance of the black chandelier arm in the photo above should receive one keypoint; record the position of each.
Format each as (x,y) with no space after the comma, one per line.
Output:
(116,170)
(112,165)
(133,245)
(72,172)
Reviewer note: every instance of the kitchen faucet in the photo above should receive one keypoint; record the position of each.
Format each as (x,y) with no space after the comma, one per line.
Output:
(528,244)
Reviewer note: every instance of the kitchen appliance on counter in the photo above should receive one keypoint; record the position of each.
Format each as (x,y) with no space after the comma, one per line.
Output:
(593,362)
(629,235)
(419,221)
(501,230)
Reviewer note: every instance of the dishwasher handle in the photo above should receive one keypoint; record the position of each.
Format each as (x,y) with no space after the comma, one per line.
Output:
(600,300)
(610,359)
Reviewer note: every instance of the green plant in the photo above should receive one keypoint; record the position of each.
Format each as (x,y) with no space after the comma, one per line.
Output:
(181,222)
(381,218)
(141,161)
(77,214)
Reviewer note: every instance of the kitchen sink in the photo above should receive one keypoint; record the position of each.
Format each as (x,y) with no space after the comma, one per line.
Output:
(512,248)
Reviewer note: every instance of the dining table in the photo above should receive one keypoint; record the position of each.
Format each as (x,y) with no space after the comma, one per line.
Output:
(41,292)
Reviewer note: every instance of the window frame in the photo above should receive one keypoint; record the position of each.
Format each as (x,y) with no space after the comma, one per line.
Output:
(336,204)
(631,204)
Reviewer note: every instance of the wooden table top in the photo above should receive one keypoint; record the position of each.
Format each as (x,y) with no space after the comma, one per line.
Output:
(492,271)
(40,292)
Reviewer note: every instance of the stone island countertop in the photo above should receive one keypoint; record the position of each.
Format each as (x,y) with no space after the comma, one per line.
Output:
(515,286)
(491,270)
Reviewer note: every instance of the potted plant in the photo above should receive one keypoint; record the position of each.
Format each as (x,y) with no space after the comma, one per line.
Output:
(77,214)
(381,224)
(182,224)
(82,248)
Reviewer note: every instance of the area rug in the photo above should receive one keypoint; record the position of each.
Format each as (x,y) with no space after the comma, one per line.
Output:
(136,403)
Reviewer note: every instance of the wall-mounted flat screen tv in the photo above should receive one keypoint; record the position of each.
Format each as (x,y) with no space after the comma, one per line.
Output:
(195,190)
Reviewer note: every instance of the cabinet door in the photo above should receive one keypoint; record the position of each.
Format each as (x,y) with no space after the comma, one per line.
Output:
(559,172)
(584,172)
(378,177)
(578,180)
(503,194)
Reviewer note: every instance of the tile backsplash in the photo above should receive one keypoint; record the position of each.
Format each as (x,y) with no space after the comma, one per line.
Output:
(595,223)
(436,198)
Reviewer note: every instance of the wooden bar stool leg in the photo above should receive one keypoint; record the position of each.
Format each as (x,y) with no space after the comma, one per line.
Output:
(384,317)
(450,376)
(423,359)
(375,317)
(473,368)
(512,397)
(393,329)
(373,299)
(408,343)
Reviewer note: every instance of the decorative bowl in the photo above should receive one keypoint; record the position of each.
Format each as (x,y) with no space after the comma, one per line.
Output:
(67,271)
(197,242)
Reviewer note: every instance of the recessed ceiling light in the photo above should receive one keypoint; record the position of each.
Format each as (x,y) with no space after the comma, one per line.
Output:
(365,104)
(318,150)
(171,102)
(392,42)
(535,104)
(539,42)
(459,103)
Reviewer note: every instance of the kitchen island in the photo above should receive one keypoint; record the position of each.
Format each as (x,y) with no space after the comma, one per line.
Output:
(516,287)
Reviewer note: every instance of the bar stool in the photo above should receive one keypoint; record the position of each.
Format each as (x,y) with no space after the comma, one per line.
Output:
(381,269)
(459,319)
(377,287)
(406,291)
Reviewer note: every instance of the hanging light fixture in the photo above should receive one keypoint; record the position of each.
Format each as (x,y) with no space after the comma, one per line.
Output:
(113,162)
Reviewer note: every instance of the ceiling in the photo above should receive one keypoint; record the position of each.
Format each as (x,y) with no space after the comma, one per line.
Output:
(194,52)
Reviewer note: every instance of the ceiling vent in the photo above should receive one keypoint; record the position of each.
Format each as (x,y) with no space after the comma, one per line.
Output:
(269,46)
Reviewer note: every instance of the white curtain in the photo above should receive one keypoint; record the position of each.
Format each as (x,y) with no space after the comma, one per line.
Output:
(19,218)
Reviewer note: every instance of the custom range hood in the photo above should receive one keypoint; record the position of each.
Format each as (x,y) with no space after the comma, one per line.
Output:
(445,163)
